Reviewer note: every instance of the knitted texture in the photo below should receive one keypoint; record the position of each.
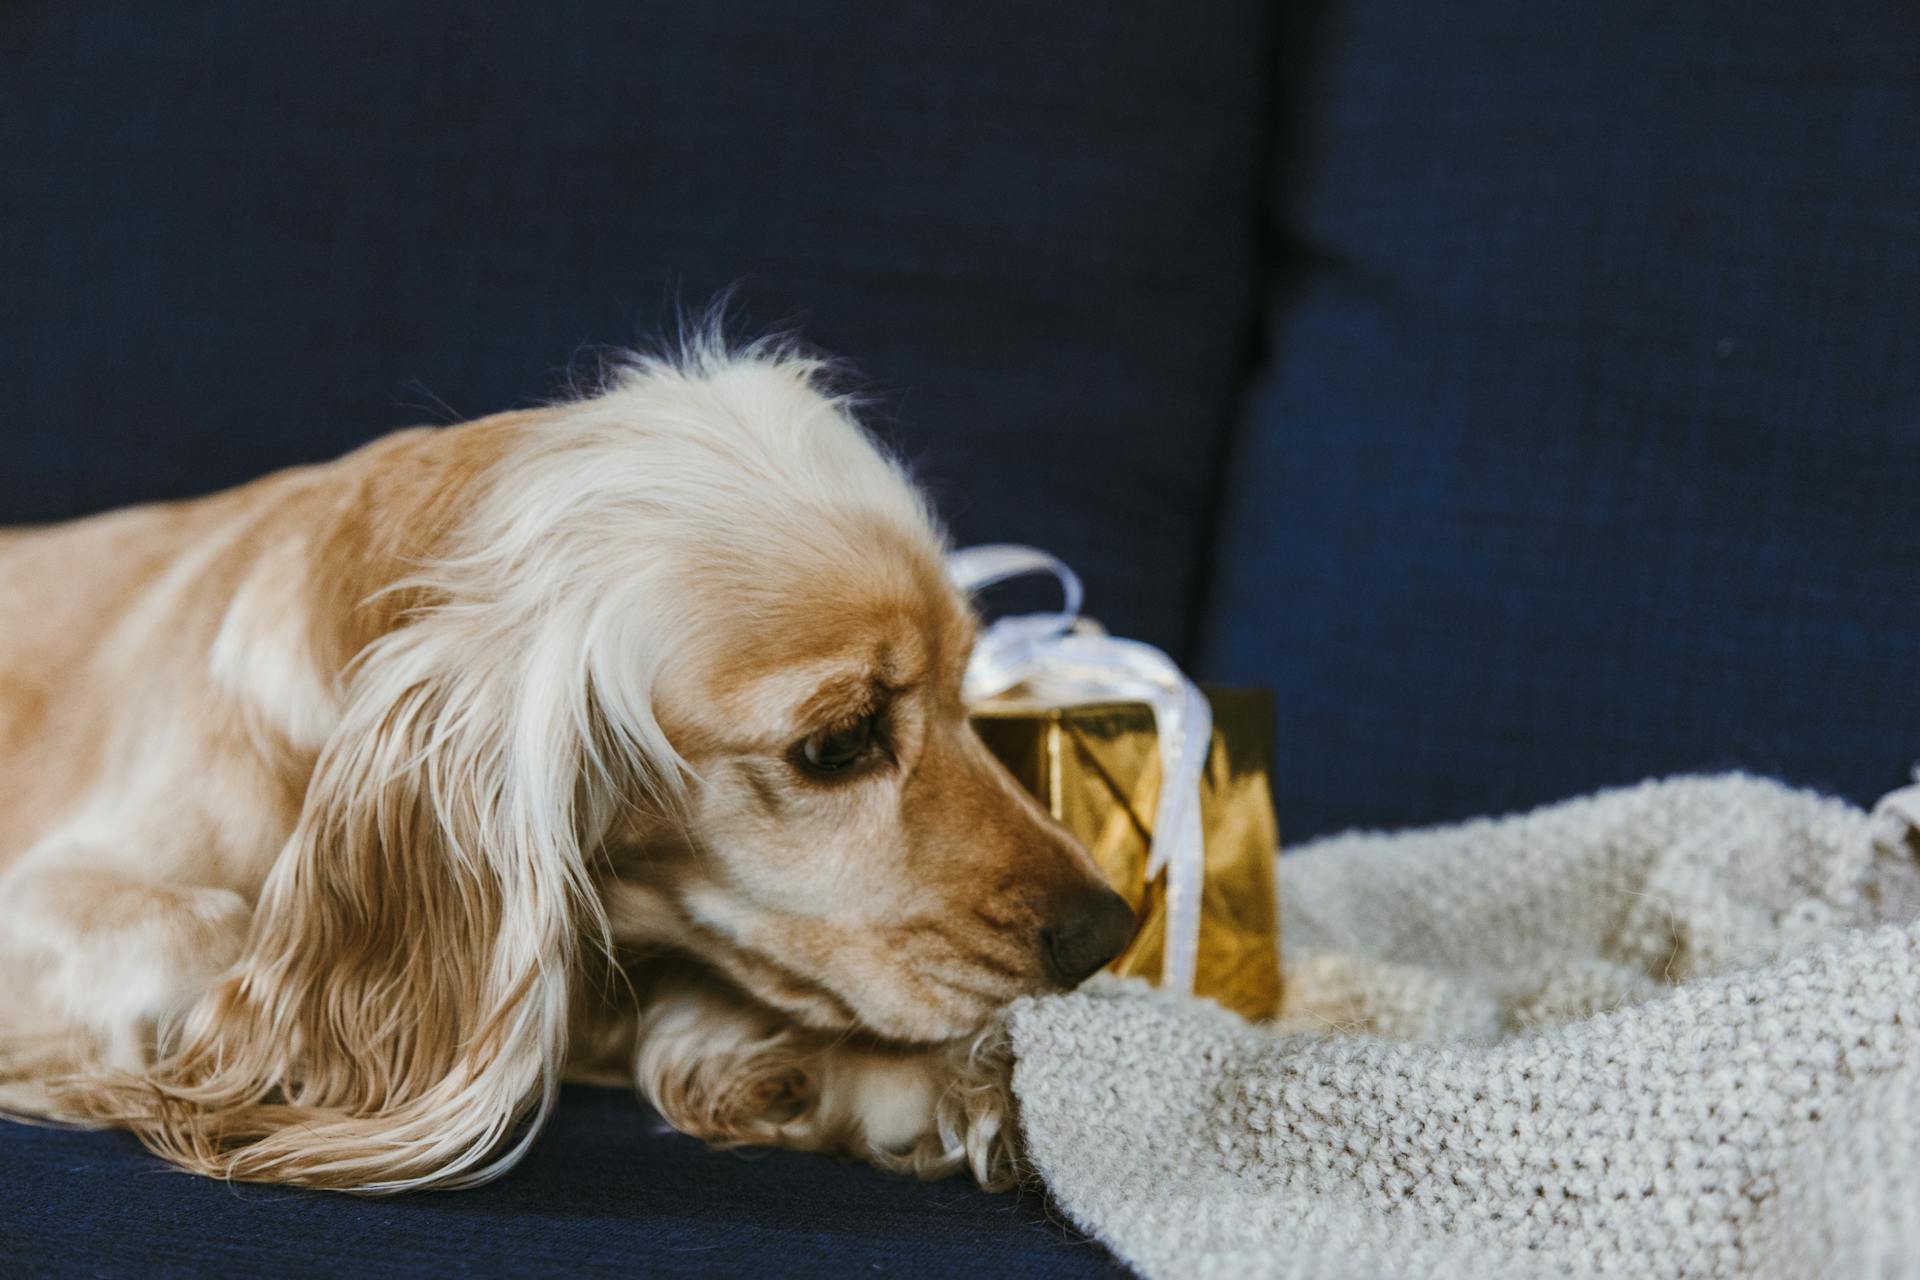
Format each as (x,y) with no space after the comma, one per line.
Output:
(1672,1030)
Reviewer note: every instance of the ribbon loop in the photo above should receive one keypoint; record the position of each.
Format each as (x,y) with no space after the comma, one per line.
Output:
(1063,665)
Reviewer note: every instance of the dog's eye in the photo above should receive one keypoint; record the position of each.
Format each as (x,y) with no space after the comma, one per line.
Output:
(839,749)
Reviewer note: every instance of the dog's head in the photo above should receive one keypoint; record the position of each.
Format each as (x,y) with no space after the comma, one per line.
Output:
(853,856)
(848,851)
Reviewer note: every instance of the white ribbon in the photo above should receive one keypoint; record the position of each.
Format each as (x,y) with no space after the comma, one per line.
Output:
(1064,662)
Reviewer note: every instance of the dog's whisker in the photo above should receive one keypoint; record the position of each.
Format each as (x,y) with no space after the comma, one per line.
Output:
(997,954)
(985,994)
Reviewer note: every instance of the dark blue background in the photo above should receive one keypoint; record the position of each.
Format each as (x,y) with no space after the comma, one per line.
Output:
(1589,443)
(236,236)
(1529,394)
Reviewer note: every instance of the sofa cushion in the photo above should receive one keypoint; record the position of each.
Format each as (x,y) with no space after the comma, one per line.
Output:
(1590,445)
(237,236)
(607,1190)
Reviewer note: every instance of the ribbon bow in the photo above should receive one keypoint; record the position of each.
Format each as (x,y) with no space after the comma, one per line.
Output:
(1066,662)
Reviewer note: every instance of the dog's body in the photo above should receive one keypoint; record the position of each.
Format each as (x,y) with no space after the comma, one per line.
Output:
(340,813)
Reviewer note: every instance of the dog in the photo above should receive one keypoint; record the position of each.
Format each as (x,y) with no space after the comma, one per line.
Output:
(345,813)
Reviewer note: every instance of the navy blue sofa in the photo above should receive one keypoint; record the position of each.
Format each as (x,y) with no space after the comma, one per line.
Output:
(1530,395)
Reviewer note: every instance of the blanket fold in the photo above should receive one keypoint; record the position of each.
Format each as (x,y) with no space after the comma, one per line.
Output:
(1672,1030)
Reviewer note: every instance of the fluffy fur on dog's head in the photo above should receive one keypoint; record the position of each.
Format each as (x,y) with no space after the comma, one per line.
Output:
(674,667)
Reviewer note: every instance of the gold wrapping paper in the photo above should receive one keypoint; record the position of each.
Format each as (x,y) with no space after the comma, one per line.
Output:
(1097,769)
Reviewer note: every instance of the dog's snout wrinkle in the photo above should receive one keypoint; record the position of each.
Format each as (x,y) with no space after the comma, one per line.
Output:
(1094,926)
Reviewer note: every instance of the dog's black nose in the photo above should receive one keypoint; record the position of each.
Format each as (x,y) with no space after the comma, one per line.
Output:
(1094,926)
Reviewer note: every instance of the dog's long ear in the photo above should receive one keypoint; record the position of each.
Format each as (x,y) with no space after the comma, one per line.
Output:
(399,1017)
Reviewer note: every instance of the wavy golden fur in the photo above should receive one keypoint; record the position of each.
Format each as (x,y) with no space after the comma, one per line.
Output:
(343,813)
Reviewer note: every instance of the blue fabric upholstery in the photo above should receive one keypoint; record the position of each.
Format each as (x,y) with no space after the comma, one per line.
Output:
(1589,443)
(236,236)
(607,1191)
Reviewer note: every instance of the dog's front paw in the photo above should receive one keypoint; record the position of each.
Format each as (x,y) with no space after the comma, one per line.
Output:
(727,1074)
(964,1119)
(722,1069)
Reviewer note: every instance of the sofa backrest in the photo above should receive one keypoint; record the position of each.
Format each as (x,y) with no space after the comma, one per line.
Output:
(1589,444)
(235,236)
(1589,426)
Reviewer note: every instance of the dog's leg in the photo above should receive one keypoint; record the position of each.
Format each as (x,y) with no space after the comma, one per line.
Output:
(96,959)
(722,1068)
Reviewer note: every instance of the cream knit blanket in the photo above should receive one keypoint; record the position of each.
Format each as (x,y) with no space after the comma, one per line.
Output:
(1672,1030)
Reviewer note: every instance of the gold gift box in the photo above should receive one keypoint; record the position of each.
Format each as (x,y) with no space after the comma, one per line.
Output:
(1097,769)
